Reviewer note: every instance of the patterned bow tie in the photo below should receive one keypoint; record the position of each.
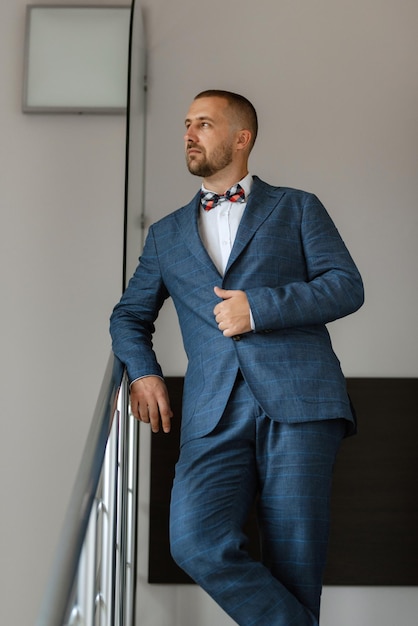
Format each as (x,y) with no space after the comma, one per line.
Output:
(209,199)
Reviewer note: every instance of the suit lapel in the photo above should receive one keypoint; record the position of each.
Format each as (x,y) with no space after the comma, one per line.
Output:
(262,201)
(188,227)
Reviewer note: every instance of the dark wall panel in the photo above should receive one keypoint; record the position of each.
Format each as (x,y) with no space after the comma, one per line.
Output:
(374,533)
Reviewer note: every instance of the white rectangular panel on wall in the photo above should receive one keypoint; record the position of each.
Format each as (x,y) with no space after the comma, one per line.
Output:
(76,59)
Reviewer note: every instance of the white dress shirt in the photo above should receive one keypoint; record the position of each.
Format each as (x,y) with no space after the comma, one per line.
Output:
(218,227)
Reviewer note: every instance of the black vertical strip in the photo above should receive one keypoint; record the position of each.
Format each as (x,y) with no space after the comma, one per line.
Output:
(124,263)
(128,120)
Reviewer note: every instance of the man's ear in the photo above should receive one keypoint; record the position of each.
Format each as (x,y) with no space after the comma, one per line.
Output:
(243,139)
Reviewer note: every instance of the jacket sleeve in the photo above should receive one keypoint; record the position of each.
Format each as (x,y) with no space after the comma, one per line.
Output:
(132,320)
(333,287)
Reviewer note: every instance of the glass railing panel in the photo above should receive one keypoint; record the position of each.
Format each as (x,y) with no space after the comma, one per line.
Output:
(93,577)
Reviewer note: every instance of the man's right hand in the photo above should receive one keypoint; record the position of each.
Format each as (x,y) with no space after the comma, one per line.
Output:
(150,403)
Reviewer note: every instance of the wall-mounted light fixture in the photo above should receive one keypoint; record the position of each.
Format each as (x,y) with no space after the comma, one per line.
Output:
(76,59)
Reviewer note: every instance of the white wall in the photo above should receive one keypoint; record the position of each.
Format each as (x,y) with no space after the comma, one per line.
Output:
(335,85)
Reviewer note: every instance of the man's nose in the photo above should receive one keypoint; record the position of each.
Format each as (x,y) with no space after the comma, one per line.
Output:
(190,135)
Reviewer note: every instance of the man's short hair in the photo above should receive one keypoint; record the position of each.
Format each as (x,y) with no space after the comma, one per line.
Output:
(241,106)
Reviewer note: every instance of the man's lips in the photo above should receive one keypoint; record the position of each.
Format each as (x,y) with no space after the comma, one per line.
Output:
(193,150)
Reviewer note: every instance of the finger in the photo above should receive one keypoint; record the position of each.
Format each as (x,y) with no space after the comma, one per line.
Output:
(154,418)
(164,410)
(135,410)
(219,316)
(221,293)
(135,407)
(221,310)
(166,421)
(143,411)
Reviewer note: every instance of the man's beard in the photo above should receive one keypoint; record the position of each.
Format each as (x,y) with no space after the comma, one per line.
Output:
(201,165)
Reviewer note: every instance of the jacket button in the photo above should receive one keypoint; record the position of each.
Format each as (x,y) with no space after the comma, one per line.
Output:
(236,337)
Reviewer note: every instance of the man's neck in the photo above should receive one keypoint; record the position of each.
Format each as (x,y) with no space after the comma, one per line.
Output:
(221,181)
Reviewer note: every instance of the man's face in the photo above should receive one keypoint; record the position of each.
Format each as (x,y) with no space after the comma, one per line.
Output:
(209,138)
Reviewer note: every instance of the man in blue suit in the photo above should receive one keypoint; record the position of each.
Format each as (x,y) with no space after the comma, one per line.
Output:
(255,273)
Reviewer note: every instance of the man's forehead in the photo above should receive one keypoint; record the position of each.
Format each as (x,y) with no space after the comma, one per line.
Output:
(209,107)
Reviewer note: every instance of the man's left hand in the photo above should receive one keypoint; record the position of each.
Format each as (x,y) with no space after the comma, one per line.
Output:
(232,314)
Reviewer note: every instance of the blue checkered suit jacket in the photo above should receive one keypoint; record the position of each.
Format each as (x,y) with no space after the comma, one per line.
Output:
(298,275)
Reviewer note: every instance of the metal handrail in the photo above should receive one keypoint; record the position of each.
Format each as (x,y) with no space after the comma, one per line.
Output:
(59,591)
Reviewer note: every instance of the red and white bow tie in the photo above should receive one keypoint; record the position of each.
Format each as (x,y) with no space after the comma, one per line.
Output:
(209,199)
